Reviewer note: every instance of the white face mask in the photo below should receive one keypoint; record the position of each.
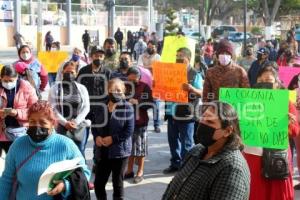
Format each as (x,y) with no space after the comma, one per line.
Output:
(26,56)
(224,60)
(9,85)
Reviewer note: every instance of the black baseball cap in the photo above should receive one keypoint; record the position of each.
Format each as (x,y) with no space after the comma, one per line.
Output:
(263,50)
(97,49)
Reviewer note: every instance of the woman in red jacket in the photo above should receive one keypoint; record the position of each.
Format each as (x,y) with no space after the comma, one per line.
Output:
(262,188)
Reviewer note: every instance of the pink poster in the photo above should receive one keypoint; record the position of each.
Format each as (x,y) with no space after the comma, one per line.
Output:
(286,74)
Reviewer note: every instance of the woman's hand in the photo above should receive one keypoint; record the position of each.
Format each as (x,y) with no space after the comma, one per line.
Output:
(13,113)
(2,114)
(107,141)
(59,188)
(134,101)
(70,125)
(292,118)
(99,141)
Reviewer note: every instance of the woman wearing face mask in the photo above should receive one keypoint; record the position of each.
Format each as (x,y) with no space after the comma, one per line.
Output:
(225,73)
(77,59)
(71,105)
(261,187)
(35,73)
(16,96)
(114,142)
(45,147)
(215,168)
(284,59)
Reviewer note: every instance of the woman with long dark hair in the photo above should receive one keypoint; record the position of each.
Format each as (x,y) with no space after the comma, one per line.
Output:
(262,187)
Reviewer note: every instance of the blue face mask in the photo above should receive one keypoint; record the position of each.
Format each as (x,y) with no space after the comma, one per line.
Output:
(75,57)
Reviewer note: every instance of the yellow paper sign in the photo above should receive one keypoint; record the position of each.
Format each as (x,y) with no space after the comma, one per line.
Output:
(293,96)
(52,60)
(173,43)
(168,80)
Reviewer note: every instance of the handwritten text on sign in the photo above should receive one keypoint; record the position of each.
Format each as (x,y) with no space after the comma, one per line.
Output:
(168,81)
(263,115)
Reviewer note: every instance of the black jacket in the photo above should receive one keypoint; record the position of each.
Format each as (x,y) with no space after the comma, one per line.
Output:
(96,84)
(119,36)
(79,187)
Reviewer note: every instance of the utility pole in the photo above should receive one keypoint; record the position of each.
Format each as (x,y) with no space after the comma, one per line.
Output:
(32,23)
(69,21)
(110,5)
(245,26)
(150,15)
(17,15)
(39,27)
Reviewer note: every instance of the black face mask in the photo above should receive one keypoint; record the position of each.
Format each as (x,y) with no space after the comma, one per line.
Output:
(38,134)
(179,60)
(124,64)
(263,85)
(69,77)
(97,62)
(249,53)
(109,52)
(115,97)
(259,56)
(150,51)
(205,135)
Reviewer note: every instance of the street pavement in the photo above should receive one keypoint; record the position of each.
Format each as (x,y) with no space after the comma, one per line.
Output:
(155,183)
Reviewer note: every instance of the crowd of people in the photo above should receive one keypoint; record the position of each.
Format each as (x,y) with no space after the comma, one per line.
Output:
(108,96)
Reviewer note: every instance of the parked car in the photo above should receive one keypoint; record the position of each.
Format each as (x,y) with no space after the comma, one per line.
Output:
(297,34)
(194,35)
(238,36)
(223,31)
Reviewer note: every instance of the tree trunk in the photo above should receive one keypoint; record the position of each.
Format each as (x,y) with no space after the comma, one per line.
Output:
(269,18)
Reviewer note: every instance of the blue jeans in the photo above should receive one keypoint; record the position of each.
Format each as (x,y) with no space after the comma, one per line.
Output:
(156,119)
(181,140)
(82,145)
(52,78)
(207,60)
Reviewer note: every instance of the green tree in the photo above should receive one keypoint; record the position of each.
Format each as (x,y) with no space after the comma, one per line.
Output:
(171,27)
(271,9)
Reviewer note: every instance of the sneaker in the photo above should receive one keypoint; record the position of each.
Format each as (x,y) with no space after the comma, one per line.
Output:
(138,179)
(170,170)
(128,176)
(157,130)
(91,186)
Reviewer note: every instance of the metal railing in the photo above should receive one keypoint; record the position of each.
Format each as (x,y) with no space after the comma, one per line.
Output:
(82,14)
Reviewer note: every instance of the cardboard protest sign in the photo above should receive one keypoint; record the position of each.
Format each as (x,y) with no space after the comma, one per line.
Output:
(286,74)
(263,115)
(52,60)
(172,44)
(168,80)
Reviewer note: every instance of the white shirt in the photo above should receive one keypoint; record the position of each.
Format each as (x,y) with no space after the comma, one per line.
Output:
(146,60)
